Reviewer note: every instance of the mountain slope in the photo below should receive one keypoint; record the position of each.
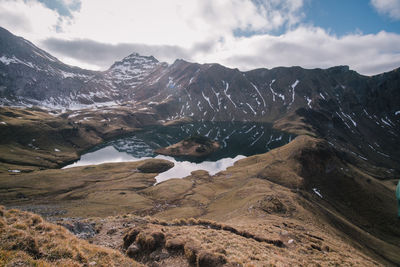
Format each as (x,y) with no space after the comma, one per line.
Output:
(31,76)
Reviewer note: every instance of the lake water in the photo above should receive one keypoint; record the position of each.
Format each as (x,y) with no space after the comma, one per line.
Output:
(237,140)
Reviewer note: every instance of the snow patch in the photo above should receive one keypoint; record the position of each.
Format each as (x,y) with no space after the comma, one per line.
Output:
(308,101)
(349,117)
(317,192)
(218,99)
(293,90)
(275,93)
(7,61)
(249,130)
(254,112)
(255,87)
(255,141)
(225,92)
(385,122)
(208,100)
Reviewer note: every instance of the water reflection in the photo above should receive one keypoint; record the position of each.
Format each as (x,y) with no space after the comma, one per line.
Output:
(237,140)
(184,168)
(181,168)
(104,155)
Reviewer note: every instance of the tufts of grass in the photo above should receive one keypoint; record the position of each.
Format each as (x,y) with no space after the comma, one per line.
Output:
(192,221)
(130,237)
(207,258)
(191,250)
(150,242)
(2,210)
(27,240)
(175,244)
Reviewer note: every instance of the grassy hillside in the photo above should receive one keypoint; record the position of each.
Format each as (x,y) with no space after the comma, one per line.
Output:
(28,240)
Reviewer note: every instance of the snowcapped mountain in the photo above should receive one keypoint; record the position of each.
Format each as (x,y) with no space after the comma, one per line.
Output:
(359,115)
(354,112)
(31,76)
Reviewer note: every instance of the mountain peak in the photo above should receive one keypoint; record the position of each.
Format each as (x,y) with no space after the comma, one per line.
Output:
(339,69)
(137,57)
(134,61)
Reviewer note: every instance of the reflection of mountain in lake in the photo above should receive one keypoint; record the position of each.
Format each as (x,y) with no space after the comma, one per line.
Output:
(235,138)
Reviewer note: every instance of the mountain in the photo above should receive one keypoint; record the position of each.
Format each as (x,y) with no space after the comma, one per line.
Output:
(31,76)
(359,115)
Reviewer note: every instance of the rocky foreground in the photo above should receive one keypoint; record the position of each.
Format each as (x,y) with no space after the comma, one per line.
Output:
(28,240)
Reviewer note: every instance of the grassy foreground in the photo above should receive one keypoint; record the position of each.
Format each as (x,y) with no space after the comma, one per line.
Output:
(240,214)
(28,240)
(299,204)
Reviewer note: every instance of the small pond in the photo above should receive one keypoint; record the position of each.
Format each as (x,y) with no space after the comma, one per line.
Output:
(237,140)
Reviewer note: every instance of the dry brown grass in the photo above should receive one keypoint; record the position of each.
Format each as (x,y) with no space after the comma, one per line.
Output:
(26,239)
(250,198)
(209,243)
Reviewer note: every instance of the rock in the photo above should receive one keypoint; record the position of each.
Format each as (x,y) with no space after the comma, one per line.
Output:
(155,166)
(190,251)
(111,231)
(133,250)
(272,204)
(175,244)
(210,259)
(130,237)
(81,229)
(158,255)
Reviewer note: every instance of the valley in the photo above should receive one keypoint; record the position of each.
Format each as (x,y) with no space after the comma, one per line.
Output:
(315,185)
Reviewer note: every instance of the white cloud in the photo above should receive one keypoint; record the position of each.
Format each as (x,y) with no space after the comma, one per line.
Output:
(173,22)
(311,47)
(197,30)
(388,7)
(29,18)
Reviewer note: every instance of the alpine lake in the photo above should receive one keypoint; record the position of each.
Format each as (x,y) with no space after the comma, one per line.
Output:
(237,140)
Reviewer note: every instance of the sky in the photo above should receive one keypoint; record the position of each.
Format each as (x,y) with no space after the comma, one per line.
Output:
(244,34)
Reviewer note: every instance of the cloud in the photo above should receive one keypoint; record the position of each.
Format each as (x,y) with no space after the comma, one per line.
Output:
(103,55)
(173,22)
(29,18)
(235,33)
(309,47)
(312,47)
(390,8)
